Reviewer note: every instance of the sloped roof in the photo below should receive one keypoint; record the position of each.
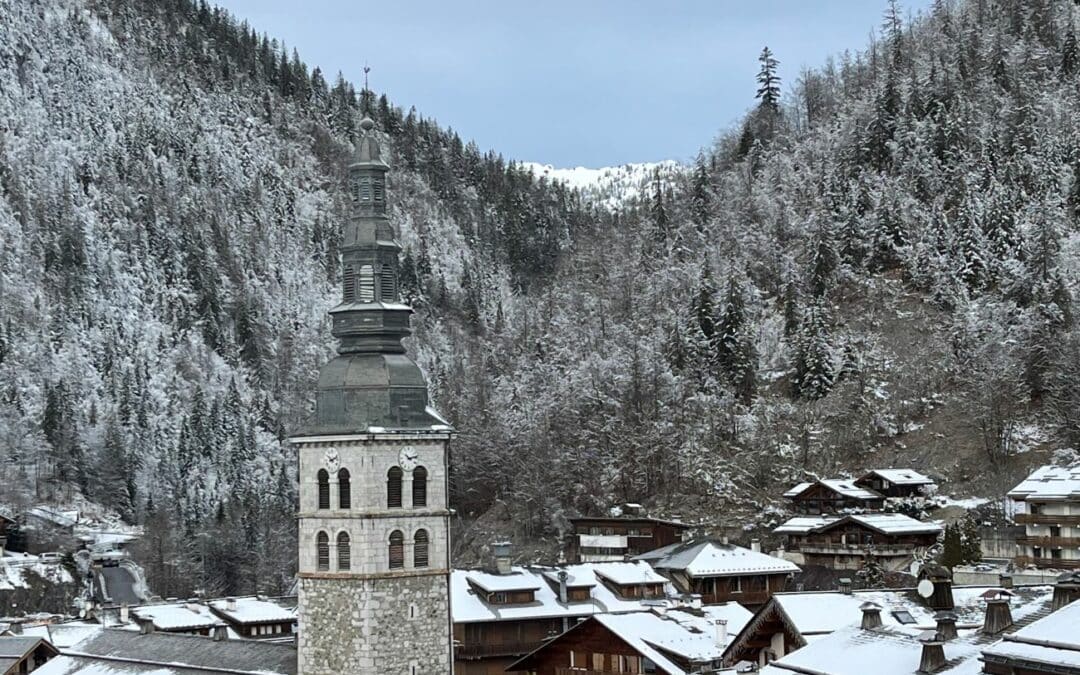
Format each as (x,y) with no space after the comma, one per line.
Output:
(841,486)
(253,610)
(708,558)
(901,476)
(121,651)
(1053,483)
(176,616)
(885,523)
(1053,640)
(468,607)
(895,649)
(15,648)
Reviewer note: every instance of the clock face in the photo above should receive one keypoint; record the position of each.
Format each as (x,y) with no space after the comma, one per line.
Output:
(408,458)
(331,459)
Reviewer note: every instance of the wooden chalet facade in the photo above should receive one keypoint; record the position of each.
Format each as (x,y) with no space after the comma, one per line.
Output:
(1047,504)
(612,539)
(832,496)
(898,483)
(24,654)
(845,542)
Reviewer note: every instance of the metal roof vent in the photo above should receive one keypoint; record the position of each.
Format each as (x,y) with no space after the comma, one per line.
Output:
(998,616)
(871,616)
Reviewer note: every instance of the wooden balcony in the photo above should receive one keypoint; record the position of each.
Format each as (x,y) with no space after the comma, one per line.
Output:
(828,548)
(1049,542)
(493,650)
(1046,519)
(1048,563)
(582,671)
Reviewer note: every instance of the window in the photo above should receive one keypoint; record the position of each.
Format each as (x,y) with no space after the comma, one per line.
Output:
(364,185)
(354,188)
(366,284)
(420,549)
(324,489)
(349,283)
(1034,509)
(344,489)
(419,486)
(397,550)
(377,186)
(322,551)
(343,554)
(735,584)
(386,284)
(903,616)
(393,488)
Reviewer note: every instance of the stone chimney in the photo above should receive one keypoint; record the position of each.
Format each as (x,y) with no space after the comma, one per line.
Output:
(941,578)
(1005,580)
(946,625)
(562,586)
(845,586)
(871,615)
(933,652)
(1066,589)
(721,633)
(230,604)
(125,613)
(3,543)
(221,633)
(998,615)
(15,627)
(146,626)
(502,557)
(755,545)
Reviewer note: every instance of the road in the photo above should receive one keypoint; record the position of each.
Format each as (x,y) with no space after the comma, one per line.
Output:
(121,585)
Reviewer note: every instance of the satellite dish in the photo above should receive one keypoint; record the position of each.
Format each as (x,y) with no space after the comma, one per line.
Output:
(926,588)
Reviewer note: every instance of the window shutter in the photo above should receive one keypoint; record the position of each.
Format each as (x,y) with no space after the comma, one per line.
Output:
(366,284)
(397,550)
(344,490)
(420,549)
(393,488)
(419,486)
(324,489)
(386,285)
(349,280)
(343,553)
(322,551)
(379,194)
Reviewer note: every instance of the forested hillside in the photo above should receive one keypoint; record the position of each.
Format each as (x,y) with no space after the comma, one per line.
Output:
(876,266)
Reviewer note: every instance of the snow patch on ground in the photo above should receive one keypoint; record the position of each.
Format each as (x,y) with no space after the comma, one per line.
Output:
(610,186)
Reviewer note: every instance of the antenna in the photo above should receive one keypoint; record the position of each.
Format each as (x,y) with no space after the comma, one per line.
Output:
(367,69)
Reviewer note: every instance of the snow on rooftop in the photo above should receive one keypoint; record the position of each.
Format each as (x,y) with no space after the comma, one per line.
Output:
(253,610)
(494,583)
(903,476)
(649,633)
(176,616)
(886,523)
(468,607)
(625,575)
(1050,483)
(842,486)
(707,558)
(1053,639)
(705,619)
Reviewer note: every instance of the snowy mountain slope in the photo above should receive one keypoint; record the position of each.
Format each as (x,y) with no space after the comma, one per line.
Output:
(611,186)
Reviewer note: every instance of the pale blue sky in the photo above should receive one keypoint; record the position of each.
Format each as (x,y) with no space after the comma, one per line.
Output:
(570,83)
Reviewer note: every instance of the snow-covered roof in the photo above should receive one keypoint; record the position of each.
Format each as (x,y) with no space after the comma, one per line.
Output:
(842,486)
(1050,483)
(705,619)
(494,583)
(708,558)
(54,516)
(469,607)
(886,523)
(652,635)
(177,616)
(902,476)
(252,610)
(894,648)
(1053,640)
(626,575)
(64,635)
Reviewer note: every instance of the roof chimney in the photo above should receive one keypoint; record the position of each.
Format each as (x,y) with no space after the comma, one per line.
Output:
(871,616)
(998,615)
(221,633)
(3,543)
(502,557)
(146,626)
(15,627)
(125,613)
(941,578)
(562,586)
(721,633)
(946,625)
(933,652)
(1066,589)
(1005,580)
(755,545)
(230,604)
(845,586)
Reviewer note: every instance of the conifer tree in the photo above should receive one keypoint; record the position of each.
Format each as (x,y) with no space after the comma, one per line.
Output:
(814,364)
(768,93)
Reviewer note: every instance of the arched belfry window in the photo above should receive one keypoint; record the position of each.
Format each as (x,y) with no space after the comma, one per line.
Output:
(419,486)
(420,549)
(365,284)
(344,556)
(397,550)
(322,551)
(324,489)
(344,489)
(386,284)
(393,487)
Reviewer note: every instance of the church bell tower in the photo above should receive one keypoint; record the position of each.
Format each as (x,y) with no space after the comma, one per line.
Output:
(374,569)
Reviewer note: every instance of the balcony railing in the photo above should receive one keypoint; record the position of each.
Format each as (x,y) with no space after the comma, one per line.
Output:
(854,549)
(1049,541)
(1048,563)
(1045,519)
(582,671)
(482,651)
